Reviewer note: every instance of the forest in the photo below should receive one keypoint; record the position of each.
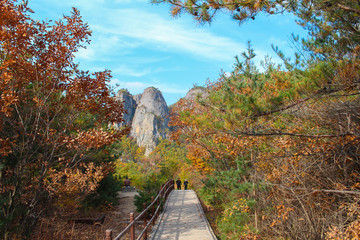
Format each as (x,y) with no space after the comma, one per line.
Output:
(272,152)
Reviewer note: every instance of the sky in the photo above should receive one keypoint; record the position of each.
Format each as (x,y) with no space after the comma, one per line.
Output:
(144,46)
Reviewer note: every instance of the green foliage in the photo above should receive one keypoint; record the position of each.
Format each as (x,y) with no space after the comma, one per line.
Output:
(151,186)
(231,194)
(167,161)
(136,172)
(233,222)
(127,150)
(233,181)
(171,159)
(105,196)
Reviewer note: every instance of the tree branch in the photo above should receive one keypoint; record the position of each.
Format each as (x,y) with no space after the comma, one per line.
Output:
(312,191)
(348,8)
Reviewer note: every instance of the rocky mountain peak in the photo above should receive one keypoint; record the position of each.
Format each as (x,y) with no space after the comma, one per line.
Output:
(153,101)
(150,122)
(148,114)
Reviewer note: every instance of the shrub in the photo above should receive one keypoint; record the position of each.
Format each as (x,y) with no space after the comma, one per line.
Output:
(150,189)
(105,196)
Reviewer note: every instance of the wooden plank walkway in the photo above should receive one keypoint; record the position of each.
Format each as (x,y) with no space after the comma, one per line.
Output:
(182,219)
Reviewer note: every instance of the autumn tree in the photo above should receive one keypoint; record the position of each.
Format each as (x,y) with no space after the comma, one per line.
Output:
(45,98)
(273,137)
(294,132)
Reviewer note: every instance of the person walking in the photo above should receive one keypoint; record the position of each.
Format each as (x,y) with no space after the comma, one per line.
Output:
(127,182)
(186,184)
(178,184)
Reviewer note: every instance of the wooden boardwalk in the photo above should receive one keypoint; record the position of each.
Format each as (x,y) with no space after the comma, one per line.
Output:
(182,219)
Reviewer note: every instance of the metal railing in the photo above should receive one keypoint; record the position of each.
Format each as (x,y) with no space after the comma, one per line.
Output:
(163,194)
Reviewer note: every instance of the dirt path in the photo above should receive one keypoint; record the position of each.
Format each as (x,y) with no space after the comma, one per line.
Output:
(119,217)
(115,219)
(126,205)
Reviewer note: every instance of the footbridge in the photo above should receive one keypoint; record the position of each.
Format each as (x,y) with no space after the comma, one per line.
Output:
(182,219)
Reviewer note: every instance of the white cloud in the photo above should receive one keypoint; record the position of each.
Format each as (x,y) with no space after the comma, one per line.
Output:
(128,71)
(135,27)
(132,86)
(119,31)
(140,71)
(87,53)
(138,87)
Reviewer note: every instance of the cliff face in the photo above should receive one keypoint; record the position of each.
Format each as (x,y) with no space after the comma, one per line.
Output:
(151,119)
(148,116)
(129,104)
(137,98)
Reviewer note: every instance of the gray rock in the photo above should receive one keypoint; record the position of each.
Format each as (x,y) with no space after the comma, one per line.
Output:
(196,93)
(150,122)
(137,98)
(148,114)
(129,104)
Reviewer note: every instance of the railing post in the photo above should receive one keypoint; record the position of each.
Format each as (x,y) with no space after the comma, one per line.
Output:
(153,206)
(145,223)
(167,190)
(108,235)
(153,210)
(158,203)
(132,229)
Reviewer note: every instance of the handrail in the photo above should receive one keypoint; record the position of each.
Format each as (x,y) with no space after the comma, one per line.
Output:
(157,211)
(164,192)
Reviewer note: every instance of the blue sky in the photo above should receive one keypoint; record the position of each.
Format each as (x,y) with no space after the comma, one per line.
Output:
(144,46)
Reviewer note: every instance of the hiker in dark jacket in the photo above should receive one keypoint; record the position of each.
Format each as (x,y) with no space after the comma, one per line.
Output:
(186,184)
(178,184)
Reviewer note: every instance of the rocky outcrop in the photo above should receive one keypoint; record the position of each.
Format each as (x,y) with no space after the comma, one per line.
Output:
(147,114)
(137,98)
(150,122)
(196,93)
(129,104)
